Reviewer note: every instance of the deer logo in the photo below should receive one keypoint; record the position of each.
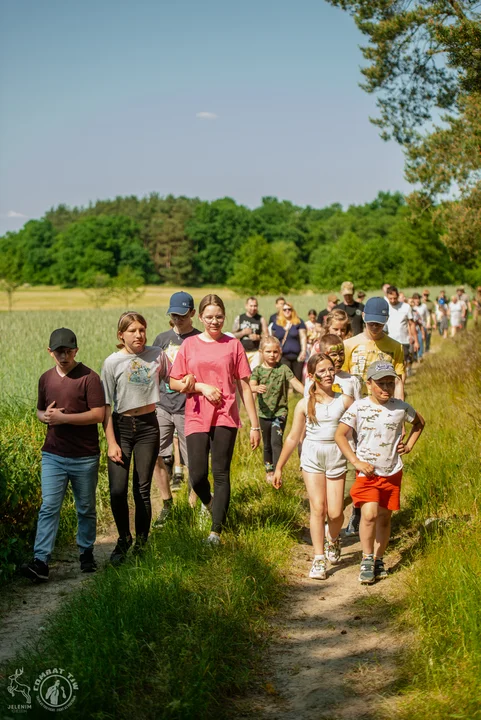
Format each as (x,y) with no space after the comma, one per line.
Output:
(18,687)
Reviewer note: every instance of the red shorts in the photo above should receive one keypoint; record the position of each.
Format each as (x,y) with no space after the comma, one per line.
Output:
(383,490)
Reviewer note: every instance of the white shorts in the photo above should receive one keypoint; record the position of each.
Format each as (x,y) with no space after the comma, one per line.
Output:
(325,458)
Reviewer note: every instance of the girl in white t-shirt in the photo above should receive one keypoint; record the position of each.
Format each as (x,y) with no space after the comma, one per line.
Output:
(455,312)
(323,467)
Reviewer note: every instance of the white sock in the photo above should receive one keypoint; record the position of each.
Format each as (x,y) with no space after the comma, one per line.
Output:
(319,557)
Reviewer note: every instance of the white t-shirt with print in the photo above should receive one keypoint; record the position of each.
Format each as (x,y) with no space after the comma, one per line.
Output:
(423,313)
(398,323)
(456,311)
(379,430)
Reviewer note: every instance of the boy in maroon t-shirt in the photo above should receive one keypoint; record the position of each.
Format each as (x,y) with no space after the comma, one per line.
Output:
(71,402)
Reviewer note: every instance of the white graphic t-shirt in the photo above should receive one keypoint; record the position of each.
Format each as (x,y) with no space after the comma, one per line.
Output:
(379,429)
(398,323)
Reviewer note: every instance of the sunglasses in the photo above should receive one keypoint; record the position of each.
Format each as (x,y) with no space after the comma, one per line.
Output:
(287,309)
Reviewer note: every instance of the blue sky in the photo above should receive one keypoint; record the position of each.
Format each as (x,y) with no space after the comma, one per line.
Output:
(102,98)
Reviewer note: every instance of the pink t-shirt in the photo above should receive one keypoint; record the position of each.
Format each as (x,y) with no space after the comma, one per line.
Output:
(219,363)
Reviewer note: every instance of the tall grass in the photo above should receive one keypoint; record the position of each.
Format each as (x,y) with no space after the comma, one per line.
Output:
(174,634)
(441,676)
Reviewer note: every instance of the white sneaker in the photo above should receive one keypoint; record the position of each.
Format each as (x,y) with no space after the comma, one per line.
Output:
(318,570)
(212,539)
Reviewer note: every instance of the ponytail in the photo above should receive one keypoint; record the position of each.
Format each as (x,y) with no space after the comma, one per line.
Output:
(311,405)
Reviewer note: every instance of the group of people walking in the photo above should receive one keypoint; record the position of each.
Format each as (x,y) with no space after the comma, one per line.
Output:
(348,363)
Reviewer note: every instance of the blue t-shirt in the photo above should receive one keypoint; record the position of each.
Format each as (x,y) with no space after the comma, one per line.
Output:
(292,345)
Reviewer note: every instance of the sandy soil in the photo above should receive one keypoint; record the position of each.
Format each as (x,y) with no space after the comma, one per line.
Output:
(26,606)
(331,655)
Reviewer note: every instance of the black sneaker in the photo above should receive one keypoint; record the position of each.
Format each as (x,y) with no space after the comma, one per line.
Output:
(120,551)
(87,561)
(353,524)
(366,574)
(164,515)
(380,571)
(35,570)
(139,547)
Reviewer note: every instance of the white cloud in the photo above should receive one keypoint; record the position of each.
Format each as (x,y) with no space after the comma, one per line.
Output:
(207,115)
(15,214)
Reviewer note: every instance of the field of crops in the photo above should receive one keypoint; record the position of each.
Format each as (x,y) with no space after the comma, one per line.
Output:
(25,333)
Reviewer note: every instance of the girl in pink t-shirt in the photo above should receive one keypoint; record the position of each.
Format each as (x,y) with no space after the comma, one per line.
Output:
(219,367)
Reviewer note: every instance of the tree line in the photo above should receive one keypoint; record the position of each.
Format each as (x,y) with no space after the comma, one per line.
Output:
(275,247)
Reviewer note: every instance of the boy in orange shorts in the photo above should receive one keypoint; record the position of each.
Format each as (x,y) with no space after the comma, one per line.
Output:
(378,421)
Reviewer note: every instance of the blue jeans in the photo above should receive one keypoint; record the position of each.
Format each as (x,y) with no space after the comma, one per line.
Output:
(421,344)
(56,472)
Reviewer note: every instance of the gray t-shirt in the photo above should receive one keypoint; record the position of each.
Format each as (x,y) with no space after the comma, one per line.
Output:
(132,381)
(170,400)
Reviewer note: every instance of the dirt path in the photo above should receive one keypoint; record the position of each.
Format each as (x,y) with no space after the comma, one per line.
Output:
(25,607)
(330,655)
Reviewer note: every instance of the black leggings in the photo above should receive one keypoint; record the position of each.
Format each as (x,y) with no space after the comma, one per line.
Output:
(220,442)
(295,365)
(272,435)
(138,436)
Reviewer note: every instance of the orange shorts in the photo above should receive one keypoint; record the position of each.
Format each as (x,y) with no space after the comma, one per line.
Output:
(385,491)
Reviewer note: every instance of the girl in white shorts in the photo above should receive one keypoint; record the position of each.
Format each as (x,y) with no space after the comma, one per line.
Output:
(323,466)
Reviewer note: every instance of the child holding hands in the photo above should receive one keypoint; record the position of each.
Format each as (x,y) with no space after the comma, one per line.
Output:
(323,466)
(378,421)
(270,381)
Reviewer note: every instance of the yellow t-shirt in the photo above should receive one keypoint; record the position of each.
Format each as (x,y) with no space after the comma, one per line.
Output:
(360,351)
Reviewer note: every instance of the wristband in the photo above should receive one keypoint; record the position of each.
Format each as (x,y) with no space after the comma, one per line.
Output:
(255,429)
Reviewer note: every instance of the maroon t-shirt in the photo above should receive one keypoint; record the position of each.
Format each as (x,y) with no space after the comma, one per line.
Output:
(77,392)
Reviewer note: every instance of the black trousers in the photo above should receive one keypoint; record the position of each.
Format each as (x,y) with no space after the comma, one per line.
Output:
(295,365)
(272,436)
(137,436)
(219,441)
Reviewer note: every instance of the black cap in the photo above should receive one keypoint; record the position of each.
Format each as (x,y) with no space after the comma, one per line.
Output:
(63,337)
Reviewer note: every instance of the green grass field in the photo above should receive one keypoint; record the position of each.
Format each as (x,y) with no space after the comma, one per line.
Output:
(182,608)
(25,333)
(440,598)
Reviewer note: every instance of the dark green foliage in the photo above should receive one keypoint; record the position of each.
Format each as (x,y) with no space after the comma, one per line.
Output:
(186,242)
(217,230)
(266,268)
(99,245)
(379,242)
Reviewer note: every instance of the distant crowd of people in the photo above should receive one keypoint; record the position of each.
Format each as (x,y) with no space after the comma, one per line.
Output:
(176,403)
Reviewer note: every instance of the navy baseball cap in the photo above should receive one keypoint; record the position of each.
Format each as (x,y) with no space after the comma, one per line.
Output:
(180,303)
(63,337)
(376,310)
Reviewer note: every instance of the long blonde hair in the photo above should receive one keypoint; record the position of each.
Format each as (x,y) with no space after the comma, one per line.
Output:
(294,319)
(311,369)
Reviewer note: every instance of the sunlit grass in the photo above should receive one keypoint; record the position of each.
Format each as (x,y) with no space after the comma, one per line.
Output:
(175,634)
(441,675)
